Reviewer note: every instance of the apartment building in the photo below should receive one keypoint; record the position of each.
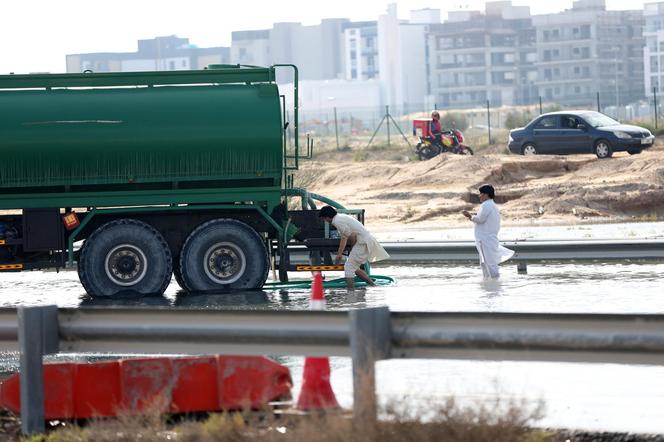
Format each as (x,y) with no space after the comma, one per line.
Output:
(475,57)
(360,51)
(653,52)
(161,54)
(587,49)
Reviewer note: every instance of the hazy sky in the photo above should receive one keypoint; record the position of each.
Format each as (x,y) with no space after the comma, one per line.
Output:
(37,34)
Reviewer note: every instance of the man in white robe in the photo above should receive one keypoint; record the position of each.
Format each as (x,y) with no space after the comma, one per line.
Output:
(365,246)
(487,226)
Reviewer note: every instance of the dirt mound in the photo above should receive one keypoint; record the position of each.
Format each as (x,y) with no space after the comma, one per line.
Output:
(424,193)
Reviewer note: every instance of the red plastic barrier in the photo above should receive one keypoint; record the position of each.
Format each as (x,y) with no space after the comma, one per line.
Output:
(173,385)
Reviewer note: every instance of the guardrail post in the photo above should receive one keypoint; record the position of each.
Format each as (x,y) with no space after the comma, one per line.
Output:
(370,340)
(37,336)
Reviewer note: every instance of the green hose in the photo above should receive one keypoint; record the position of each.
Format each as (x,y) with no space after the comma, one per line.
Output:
(331,284)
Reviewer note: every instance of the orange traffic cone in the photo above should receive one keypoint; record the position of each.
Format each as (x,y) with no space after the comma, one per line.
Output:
(316,393)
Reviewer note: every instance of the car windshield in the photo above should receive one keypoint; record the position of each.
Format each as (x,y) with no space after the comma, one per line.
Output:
(595,119)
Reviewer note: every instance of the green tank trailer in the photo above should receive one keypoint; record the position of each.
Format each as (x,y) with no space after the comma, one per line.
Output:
(184,173)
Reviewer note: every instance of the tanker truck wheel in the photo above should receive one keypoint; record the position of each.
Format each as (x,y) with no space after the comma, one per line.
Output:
(125,255)
(177,273)
(223,254)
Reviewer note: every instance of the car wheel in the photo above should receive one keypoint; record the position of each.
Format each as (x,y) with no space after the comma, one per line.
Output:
(529,149)
(603,149)
(634,151)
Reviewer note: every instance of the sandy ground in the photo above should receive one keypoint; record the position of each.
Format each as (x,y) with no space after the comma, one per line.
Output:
(545,190)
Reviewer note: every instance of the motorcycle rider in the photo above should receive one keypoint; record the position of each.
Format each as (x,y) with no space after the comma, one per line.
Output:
(435,129)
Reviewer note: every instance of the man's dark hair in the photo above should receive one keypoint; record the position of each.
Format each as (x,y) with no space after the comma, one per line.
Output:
(488,190)
(327,212)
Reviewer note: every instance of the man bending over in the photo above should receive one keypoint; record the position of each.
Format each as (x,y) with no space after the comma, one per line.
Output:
(365,246)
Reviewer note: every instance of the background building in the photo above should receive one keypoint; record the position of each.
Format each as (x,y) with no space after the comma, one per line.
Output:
(403,58)
(315,50)
(360,51)
(502,54)
(160,54)
(653,51)
(476,57)
(587,49)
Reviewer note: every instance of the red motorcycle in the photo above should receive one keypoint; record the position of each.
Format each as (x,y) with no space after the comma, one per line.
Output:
(429,146)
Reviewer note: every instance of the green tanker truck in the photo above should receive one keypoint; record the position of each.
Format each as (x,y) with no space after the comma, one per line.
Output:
(140,176)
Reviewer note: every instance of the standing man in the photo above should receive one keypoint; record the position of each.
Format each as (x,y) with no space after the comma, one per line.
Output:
(365,247)
(487,226)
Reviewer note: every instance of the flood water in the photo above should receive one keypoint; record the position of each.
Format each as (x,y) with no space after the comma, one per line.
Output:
(589,396)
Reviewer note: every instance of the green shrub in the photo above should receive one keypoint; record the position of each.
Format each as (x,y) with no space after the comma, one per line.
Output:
(517,119)
(650,125)
(454,119)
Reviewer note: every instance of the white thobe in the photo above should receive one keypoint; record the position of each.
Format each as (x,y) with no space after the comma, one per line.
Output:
(487,226)
(348,225)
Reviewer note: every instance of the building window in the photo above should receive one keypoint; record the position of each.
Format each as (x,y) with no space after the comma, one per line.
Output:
(171,65)
(577,70)
(370,42)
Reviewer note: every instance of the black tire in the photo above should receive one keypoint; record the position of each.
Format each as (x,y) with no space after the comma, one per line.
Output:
(224,254)
(603,149)
(634,151)
(428,151)
(177,274)
(466,151)
(125,255)
(529,149)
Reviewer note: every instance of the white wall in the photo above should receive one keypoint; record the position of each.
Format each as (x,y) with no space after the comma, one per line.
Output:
(138,65)
(319,95)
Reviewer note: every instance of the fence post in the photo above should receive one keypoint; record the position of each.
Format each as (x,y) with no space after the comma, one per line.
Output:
(488,119)
(599,109)
(370,340)
(387,112)
(336,127)
(540,103)
(654,94)
(37,336)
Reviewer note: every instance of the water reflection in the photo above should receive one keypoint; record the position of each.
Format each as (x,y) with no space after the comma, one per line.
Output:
(125,300)
(224,299)
(491,287)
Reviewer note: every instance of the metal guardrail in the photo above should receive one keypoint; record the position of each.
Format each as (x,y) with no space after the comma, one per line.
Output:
(529,250)
(366,335)
(525,250)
